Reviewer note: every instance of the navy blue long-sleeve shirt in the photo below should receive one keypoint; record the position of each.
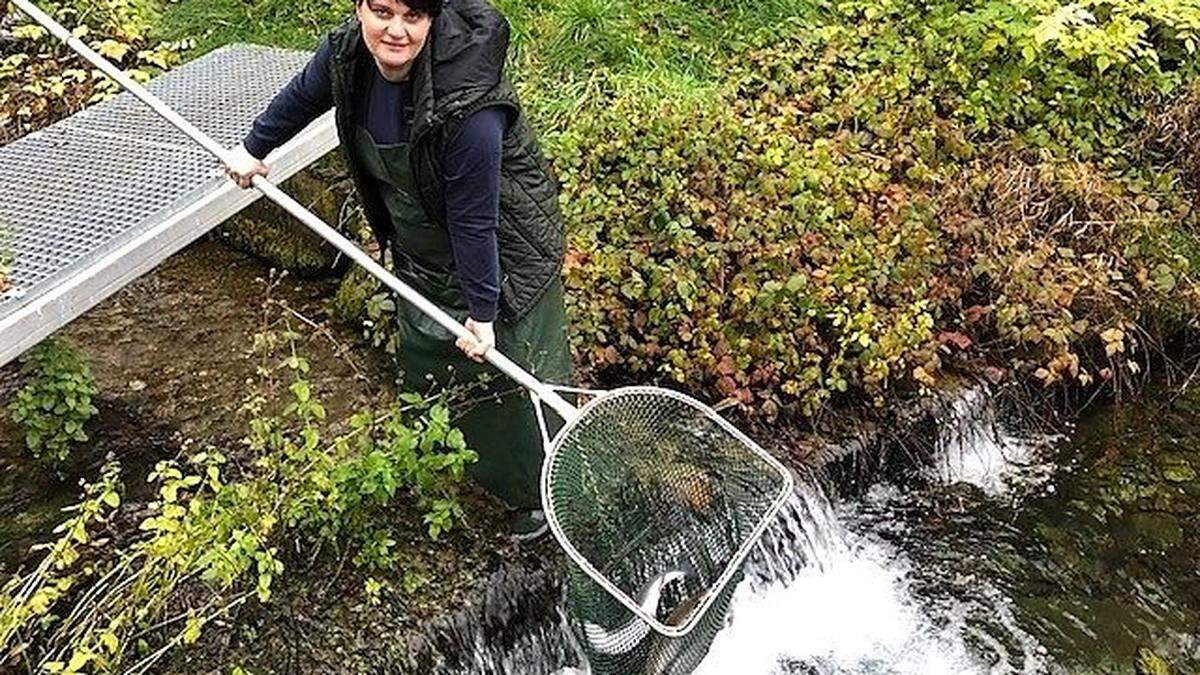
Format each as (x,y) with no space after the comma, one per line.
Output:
(470,163)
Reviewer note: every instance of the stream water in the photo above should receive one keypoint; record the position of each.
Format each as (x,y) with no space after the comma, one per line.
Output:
(1004,553)
(1007,553)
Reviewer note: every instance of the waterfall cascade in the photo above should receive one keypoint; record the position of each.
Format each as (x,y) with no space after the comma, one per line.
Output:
(825,591)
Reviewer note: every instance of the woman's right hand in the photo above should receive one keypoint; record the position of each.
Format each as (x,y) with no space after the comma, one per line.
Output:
(243,166)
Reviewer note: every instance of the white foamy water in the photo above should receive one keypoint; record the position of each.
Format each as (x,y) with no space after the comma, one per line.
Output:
(848,610)
(841,602)
(973,448)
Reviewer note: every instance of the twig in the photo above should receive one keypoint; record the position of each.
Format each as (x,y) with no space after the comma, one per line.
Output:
(340,350)
(336,574)
(1186,383)
(143,665)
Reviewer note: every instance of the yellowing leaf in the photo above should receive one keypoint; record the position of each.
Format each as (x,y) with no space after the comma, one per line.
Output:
(112,49)
(109,640)
(923,376)
(191,632)
(30,31)
(78,660)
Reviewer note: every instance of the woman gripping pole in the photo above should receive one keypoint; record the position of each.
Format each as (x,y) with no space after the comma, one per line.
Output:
(455,187)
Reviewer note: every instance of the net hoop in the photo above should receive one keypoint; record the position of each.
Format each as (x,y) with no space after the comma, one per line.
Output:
(712,593)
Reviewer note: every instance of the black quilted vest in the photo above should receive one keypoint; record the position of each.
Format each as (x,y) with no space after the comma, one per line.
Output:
(460,70)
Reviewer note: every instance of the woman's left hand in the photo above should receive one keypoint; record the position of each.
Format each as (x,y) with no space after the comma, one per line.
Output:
(485,339)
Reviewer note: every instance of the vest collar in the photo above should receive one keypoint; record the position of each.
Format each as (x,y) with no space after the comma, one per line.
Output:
(462,59)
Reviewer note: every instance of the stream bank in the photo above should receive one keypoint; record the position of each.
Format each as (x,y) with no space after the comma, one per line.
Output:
(172,357)
(906,503)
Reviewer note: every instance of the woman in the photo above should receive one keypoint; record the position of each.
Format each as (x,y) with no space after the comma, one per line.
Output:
(454,185)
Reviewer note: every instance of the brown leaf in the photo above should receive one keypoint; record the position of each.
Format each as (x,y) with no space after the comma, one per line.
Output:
(610,354)
(727,386)
(960,340)
(976,312)
(574,259)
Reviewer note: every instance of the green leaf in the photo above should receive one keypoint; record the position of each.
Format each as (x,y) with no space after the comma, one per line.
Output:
(1164,278)
(191,632)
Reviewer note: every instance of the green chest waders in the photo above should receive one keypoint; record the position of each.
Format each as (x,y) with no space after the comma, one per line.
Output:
(499,421)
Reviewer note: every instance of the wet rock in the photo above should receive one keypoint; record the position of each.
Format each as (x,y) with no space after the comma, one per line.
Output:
(1158,531)
(267,231)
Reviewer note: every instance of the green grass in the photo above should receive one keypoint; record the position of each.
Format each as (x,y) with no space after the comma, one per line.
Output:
(565,54)
(294,24)
(571,54)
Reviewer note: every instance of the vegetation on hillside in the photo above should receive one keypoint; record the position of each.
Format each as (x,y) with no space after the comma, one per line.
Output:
(883,187)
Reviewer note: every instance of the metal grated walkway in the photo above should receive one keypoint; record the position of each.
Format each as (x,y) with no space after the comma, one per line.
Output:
(98,199)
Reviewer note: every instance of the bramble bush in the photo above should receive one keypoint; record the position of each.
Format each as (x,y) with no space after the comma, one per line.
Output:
(56,403)
(880,187)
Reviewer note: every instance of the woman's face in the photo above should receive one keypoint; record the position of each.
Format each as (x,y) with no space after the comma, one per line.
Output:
(393,32)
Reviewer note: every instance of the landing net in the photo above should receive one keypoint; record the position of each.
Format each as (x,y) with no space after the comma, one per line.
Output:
(657,500)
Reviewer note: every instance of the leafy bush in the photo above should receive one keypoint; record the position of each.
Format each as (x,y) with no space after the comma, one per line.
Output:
(25,602)
(55,404)
(345,490)
(43,80)
(1072,77)
(881,188)
(210,540)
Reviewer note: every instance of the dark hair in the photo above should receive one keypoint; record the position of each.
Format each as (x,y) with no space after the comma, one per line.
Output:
(430,7)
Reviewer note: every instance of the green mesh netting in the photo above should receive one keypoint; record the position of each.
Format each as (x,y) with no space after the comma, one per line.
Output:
(657,500)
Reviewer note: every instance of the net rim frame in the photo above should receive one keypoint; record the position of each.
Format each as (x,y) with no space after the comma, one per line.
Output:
(735,562)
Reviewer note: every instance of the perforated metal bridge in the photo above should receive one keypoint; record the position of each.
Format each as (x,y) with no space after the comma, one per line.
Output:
(98,199)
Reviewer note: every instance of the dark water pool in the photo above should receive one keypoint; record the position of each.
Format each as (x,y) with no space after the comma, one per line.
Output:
(1091,549)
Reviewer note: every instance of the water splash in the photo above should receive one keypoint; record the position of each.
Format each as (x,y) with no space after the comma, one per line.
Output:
(973,448)
(825,593)
(840,606)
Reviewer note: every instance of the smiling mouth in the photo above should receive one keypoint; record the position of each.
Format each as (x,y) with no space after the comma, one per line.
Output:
(394,46)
